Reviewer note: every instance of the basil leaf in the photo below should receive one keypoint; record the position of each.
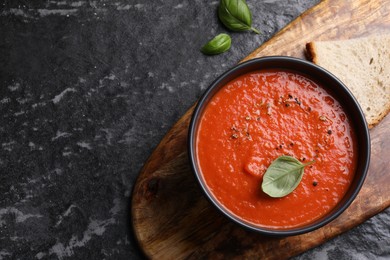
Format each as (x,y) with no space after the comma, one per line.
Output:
(235,15)
(283,176)
(217,45)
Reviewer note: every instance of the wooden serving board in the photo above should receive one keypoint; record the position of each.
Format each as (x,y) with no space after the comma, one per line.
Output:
(173,220)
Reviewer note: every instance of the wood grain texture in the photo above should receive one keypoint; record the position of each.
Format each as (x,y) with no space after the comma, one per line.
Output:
(173,220)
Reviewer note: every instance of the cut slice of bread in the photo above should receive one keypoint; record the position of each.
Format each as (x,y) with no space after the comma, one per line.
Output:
(363,65)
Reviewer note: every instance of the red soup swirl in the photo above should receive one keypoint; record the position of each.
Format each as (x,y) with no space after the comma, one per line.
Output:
(260,116)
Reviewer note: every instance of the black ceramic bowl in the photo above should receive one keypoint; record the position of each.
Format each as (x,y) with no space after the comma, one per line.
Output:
(328,81)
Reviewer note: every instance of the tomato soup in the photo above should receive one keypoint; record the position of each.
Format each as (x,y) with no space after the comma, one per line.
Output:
(260,116)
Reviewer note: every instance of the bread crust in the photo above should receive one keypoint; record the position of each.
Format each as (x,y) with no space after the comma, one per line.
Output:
(310,52)
(380,116)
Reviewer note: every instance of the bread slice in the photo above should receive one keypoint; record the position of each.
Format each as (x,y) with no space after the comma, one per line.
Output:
(363,65)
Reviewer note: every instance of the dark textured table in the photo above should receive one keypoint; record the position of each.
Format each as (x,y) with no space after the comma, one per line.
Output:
(87,90)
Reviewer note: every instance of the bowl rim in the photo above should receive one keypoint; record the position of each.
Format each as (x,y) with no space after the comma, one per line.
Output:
(361,123)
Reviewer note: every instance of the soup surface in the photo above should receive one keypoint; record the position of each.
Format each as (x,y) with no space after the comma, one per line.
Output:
(260,116)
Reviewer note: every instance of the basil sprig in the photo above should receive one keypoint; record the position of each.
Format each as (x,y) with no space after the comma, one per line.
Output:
(217,45)
(235,15)
(283,176)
